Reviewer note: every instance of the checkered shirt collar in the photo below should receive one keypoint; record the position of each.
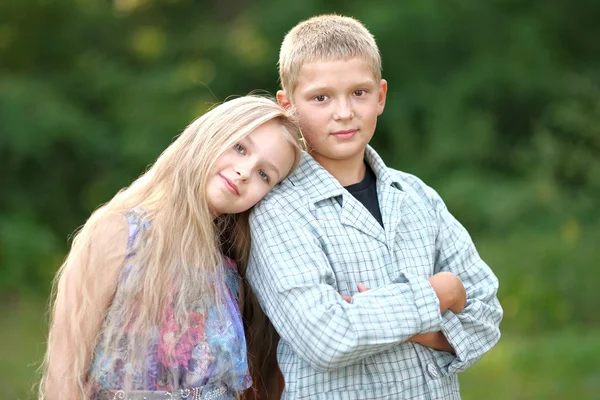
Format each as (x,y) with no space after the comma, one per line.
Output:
(321,185)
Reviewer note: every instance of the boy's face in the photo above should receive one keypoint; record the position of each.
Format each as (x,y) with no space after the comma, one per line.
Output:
(338,103)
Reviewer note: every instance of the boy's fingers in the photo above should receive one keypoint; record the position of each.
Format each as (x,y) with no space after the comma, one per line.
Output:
(362,288)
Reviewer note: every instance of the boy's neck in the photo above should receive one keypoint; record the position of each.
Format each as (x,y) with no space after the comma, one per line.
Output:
(347,172)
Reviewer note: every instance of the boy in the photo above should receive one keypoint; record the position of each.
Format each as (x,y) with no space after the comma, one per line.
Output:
(344,219)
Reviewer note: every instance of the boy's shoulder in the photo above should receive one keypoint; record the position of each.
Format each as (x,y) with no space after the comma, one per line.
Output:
(411,184)
(408,183)
(311,183)
(308,184)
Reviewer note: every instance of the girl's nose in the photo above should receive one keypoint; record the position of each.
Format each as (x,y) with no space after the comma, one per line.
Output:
(242,171)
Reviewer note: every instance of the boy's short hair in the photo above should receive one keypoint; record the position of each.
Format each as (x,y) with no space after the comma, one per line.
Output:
(325,38)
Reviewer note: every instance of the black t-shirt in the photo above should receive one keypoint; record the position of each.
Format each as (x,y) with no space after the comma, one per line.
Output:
(365,191)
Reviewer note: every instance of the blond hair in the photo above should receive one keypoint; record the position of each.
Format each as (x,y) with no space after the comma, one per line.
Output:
(183,244)
(325,38)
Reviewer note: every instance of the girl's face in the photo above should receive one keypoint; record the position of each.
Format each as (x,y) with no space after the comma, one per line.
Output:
(244,174)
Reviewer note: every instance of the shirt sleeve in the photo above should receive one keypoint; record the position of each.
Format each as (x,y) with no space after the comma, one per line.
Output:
(293,280)
(476,329)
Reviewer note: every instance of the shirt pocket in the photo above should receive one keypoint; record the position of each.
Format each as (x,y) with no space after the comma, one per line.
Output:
(414,245)
(356,258)
(360,376)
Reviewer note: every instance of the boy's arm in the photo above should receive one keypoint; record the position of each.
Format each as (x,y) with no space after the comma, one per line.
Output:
(434,340)
(293,280)
(475,330)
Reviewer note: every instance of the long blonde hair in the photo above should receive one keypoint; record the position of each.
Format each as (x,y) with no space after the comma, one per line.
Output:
(183,245)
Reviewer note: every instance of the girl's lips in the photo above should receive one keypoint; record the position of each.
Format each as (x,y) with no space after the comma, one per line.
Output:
(345,135)
(230,185)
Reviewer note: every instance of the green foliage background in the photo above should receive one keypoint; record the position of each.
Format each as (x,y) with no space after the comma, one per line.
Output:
(496,104)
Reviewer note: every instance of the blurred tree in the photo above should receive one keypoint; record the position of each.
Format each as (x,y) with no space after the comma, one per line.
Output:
(495,104)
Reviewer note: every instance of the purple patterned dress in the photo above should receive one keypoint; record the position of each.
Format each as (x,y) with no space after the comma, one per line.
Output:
(210,357)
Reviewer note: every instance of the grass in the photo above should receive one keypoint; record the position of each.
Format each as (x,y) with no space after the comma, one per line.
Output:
(557,365)
(22,336)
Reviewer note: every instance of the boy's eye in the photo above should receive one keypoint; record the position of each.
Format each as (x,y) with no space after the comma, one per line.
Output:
(239,148)
(360,92)
(320,98)
(263,175)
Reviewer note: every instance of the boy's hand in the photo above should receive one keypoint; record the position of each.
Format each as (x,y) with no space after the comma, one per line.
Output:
(361,288)
(433,340)
(450,291)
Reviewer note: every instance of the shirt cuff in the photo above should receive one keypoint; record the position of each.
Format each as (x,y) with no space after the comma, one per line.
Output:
(459,340)
(427,303)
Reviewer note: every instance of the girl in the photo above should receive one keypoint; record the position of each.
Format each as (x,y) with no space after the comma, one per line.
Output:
(145,305)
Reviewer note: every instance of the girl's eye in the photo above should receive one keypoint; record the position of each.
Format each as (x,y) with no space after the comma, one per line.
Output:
(239,148)
(320,98)
(263,175)
(360,92)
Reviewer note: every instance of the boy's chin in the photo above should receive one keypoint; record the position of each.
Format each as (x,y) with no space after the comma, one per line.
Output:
(340,154)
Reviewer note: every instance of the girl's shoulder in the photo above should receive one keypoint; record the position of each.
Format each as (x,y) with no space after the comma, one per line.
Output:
(137,218)
(138,222)
(109,231)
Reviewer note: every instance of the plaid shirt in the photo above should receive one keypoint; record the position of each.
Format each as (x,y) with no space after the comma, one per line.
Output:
(313,242)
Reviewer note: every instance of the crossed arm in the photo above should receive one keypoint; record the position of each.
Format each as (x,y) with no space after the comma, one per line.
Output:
(467,332)
(449,290)
(292,278)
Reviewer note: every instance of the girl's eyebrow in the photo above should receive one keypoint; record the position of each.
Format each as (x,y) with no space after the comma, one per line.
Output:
(268,163)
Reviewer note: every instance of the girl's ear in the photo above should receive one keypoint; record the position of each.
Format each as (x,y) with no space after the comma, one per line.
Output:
(283,100)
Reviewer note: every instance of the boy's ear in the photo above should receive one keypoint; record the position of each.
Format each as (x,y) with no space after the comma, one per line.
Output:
(283,100)
(382,96)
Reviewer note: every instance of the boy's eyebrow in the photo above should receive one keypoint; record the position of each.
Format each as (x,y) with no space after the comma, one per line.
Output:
(368,82)
(317,88)
(268,163)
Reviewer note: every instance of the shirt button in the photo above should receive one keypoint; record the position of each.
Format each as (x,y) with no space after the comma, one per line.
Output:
(433,372)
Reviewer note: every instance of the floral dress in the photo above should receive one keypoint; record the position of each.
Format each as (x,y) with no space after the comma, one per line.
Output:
(210,357)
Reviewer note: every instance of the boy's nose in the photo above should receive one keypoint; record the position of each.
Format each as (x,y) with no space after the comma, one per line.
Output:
(343,110)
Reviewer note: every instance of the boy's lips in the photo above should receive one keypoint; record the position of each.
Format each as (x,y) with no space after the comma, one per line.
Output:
(230,185)
(345,134)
